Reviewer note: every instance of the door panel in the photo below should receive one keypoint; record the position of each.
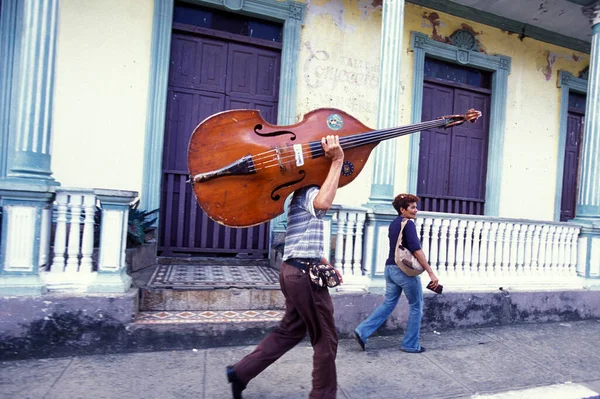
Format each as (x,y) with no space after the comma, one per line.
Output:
(253,74)
(434,150)
(571,166)
(453,162)
(197,63)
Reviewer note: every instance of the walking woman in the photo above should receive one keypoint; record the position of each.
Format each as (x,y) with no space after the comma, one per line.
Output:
(397,281)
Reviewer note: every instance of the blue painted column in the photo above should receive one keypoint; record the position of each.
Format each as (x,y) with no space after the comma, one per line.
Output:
(388,115)
(392,27)
(29,154)
(27,189)
(588,200)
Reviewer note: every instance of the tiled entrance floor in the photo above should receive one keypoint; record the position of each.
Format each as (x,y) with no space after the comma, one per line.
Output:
(225,316)
(212,276)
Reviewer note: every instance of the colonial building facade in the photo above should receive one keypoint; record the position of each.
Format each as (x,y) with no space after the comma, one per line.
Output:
(99,99)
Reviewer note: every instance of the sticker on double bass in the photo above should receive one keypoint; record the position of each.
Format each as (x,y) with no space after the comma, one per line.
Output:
(347,168)
(335,122)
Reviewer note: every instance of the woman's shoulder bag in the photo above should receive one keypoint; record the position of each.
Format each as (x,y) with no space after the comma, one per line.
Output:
(405,260)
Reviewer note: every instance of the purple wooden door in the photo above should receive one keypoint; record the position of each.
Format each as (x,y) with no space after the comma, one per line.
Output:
(453,162)
(210,73)
(575,124)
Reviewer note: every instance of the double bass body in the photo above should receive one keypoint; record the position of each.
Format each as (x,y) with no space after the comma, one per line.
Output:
(243,168)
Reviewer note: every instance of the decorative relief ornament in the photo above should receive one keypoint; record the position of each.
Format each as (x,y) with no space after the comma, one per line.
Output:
(464,39)
(234,5)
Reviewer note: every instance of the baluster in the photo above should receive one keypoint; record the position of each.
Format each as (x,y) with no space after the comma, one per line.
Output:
(460,248)
(543,252)
(500,239)
(561,232)
(492,242)
(348,252)
(45,231)
(60,235)
(358,244)
(444,247)
(435,231)
(426,237)
(452,247)
(506,250)
(528,250)
(521,248)
(339,240)
(475,264)
(551,250)
(483,263)
(557,242)
(468,269)
(74,230)
(535,250)
(87,246)
(514,248)
(574,243)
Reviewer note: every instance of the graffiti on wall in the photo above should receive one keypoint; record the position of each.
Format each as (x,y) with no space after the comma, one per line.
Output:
(342,80)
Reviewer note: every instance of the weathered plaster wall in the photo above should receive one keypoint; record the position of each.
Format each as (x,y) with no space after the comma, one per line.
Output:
(339,67)
(533,104)
(339,64)
(102,66)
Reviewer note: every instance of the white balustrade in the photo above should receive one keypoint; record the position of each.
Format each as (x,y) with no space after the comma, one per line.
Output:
(470,253)
(73,266)
(349,247)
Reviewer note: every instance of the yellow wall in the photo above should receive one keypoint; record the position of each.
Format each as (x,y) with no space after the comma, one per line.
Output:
(339,67)
(102,66)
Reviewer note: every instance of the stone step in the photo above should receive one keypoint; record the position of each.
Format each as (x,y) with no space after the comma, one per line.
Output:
(208,260)
(225,299)
(178,330)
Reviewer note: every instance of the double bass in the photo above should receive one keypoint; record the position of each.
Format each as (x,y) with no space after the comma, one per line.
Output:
(242,168)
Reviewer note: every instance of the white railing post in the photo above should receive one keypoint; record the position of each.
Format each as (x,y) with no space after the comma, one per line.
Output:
(348,252)
(60,234)
(492,243)
(469,237)
(358,244)
(435,231)
(528,250)
(483,258)
(452,247)
(460,248)
(87,244)
(75,201)
(339,241)
(443,254)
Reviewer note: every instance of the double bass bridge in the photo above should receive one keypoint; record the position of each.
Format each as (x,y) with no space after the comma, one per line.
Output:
(243,166)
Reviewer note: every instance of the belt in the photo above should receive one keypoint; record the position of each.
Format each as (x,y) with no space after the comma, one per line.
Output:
(301,263)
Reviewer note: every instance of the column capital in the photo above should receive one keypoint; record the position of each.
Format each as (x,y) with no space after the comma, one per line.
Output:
(592,12)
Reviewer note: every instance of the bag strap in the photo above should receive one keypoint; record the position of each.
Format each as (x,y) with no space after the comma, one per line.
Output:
(402,225)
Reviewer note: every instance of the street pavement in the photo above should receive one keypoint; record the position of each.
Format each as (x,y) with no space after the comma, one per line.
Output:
(554,360)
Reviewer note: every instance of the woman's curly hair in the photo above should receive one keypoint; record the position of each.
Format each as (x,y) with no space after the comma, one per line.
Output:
(404,201)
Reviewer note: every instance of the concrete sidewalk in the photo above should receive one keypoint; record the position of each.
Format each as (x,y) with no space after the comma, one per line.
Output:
(466,363)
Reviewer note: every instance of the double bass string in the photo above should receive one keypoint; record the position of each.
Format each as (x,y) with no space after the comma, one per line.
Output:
(268,159)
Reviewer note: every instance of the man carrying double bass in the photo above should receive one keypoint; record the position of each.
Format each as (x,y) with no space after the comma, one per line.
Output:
(308,308)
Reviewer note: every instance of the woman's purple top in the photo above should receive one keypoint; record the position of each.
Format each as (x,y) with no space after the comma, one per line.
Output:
(410,239)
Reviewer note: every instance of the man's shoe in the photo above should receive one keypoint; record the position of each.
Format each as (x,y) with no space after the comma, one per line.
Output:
(419,351)
(359,340)
(236,385)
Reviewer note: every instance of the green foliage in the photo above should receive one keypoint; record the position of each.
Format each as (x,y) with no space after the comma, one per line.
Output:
(140,224)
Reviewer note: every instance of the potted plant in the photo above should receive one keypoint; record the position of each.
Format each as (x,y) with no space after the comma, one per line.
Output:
(141,243)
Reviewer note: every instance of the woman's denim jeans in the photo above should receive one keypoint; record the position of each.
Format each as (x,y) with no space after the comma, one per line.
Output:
(396,281)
